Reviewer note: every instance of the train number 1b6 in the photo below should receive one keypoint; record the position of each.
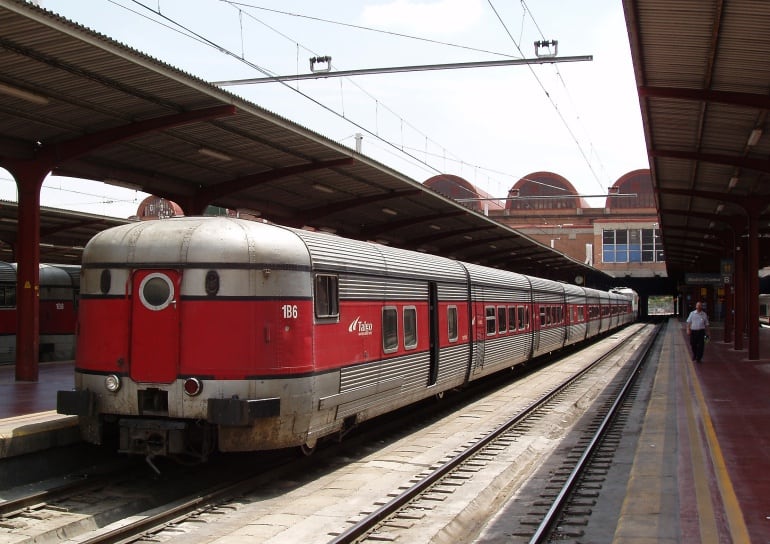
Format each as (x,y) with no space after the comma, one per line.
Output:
(289,311)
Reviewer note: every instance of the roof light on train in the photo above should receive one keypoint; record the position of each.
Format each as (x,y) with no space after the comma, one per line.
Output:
(112,383)
(192,387)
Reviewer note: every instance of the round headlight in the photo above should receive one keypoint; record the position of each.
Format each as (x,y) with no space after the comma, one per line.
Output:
(112,383)
(192,386)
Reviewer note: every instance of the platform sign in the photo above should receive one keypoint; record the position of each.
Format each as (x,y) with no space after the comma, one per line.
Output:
(696,278)
(726,269)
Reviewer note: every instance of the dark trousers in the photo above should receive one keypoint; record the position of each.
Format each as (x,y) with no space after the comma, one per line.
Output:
(697,341)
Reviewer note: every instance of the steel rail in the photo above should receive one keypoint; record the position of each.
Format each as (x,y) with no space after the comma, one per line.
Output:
(552,516)
(365,525)
(86,482)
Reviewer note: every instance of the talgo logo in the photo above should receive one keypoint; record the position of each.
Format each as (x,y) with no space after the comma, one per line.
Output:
(363,328)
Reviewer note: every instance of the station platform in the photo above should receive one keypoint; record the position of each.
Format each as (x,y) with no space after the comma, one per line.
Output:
(700,471)
(28,418)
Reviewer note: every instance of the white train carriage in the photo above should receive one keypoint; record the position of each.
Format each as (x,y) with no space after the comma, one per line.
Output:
(503,330)
(196,332)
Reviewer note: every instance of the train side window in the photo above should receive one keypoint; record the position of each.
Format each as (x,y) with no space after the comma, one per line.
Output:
(502,319)
(410,327)
(581,313)
(8,298)
(491,325)
(511,318)
(542,316)
(389,329)
(327,302)
(452,323)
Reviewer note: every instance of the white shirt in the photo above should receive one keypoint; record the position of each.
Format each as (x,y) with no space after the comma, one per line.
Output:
(698,320)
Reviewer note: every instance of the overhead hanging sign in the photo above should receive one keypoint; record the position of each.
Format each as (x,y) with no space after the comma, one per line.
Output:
(696,278)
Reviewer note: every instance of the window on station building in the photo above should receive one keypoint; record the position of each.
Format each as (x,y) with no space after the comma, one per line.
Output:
(632,246)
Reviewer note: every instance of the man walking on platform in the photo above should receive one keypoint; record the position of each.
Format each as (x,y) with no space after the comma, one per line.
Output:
(698,330)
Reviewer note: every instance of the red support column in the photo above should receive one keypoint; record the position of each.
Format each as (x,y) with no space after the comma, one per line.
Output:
(29,180)
(753,282)
(728,330)
(740,297)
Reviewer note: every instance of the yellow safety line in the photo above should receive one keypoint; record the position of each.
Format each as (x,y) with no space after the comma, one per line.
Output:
(707,523)
(737,524)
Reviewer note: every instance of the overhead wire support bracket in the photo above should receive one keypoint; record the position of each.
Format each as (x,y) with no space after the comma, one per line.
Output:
(399,69)
(548,44)
(326,61)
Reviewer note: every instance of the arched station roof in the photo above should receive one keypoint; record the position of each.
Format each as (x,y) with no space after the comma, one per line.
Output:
(460,189)
(96,109)
(637,183)
(544,190)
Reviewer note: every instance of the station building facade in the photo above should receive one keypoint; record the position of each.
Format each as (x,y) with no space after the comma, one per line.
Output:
(620,237)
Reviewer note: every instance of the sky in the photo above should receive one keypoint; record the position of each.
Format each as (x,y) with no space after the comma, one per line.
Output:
(491,126)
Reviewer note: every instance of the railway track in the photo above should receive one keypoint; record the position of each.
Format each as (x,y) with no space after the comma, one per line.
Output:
(390,514)
(252,497)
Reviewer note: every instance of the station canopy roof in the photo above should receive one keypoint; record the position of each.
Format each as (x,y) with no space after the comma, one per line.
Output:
(63,233)
(111,114)
(703,75)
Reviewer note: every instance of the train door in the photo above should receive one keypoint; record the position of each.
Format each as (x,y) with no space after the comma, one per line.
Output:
(565,318)
(433,331)
(479,331)
(155,326)
(536,320)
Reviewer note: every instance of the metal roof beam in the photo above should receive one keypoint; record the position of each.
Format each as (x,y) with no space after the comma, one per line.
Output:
(749,100)
(448,234)
(205,196)
(76,147)
(375,231)
(750,202)
(760,165)
(323,211)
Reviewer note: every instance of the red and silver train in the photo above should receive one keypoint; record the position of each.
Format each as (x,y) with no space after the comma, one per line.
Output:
(204,333)
(58,292)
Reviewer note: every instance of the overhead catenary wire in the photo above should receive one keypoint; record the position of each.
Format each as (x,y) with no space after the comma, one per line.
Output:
(189,32)
(168,22)
(542,86)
